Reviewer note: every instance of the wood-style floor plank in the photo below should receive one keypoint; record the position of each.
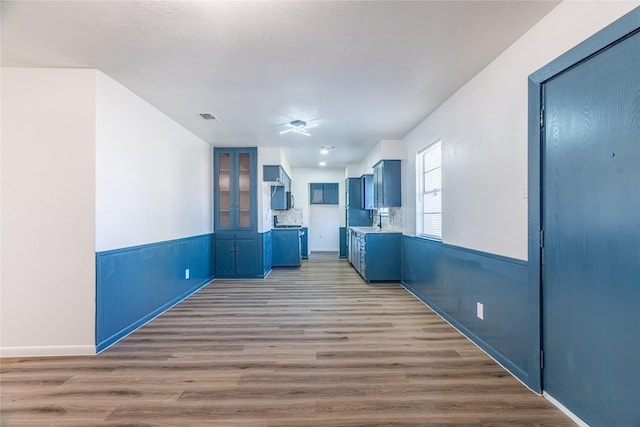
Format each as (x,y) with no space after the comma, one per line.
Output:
(314,346)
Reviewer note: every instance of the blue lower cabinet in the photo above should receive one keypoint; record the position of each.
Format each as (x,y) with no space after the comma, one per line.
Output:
(225,257)
(285,247)
(343,242)
(304,243)
(383,257)
(376,255)
(236,255)
(246,257)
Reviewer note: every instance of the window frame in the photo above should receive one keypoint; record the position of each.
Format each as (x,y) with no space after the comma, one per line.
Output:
(421,171)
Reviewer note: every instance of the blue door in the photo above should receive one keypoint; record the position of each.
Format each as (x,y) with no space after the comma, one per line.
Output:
(591,223)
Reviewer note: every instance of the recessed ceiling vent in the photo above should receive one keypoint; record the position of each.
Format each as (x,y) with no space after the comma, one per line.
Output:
(209,116)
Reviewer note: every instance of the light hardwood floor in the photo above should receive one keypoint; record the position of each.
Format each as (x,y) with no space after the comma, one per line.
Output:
(310,347)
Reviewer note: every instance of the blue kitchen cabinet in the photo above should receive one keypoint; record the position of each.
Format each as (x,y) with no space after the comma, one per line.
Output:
(343,243)
(375,254)
(236,256)
(353,192)
(331,194)
(235,212)
(225,256)
(355,215)
(281,198)
(276,174)
(387,189)
(246,257)
(316,193)
(285,249)
(366,189)
(324,193)
(382,257)
(304,243)
(235,193)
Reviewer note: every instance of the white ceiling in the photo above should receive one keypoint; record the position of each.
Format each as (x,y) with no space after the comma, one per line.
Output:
(365,71)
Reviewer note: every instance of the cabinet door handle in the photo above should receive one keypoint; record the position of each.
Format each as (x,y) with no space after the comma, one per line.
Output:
(231,250)
(237,250)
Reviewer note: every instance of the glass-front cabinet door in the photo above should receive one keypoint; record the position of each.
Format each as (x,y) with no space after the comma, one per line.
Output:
(224,203)
(244,205)
(235,189)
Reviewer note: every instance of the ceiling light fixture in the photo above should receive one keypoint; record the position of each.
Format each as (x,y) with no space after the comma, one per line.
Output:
(324,151)
(298,126)
(322,163)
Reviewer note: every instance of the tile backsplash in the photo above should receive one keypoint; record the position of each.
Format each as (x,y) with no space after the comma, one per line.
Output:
(391,218)
(292,216)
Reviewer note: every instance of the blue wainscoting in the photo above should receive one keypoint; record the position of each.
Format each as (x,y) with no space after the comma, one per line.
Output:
(452,280)
(136,284)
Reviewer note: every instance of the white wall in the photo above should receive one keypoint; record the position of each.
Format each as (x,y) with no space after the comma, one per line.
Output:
(332,217)
(153,177)
(483,128)
(48,211)
(86,166)
(324,225)
(386,149)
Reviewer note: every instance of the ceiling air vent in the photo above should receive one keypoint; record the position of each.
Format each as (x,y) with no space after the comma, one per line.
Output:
(208,116)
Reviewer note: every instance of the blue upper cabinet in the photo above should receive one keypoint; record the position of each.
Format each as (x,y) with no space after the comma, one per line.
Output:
(235,195)
(387,184)
(324,193)
(355,214)
(274,173)
(366,189)
(281,198)
(353,189)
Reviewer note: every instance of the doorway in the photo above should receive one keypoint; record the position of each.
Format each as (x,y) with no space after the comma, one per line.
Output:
(587,262)
(324,228)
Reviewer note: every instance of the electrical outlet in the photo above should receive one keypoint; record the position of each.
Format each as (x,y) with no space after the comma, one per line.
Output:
(480,310)
(186,273)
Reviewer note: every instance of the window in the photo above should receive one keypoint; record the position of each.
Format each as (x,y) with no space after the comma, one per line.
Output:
(429,200)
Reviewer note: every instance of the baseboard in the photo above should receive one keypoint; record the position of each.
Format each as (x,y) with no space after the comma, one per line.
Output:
(565,410)
(48,350)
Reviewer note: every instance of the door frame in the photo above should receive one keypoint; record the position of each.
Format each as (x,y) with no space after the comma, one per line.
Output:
(625,26)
